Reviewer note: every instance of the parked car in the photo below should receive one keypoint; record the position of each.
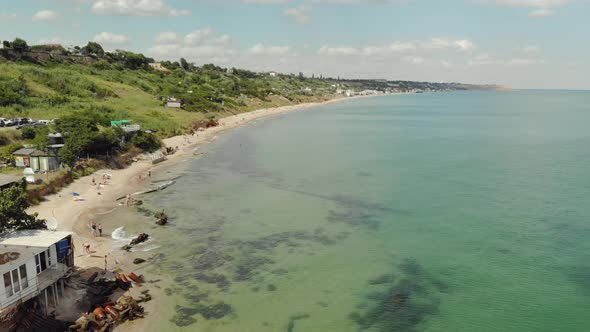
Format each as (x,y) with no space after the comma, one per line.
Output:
(8,123)
(2,124)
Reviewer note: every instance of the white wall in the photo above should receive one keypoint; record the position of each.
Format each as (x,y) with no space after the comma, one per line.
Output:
(31,277)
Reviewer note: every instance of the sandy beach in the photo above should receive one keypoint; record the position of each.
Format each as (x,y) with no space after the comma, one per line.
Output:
(77,215)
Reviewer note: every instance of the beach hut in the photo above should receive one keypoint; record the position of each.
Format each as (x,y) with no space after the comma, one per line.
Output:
(39,161)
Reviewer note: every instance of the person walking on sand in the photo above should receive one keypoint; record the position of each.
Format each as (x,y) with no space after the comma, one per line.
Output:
(93,226)
(100,230)
(128,200)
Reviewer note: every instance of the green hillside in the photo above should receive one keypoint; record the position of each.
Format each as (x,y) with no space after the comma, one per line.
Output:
(57,89)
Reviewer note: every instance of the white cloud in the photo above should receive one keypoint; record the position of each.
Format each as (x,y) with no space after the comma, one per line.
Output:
(300,14)
(260,49)
(223,40)
(445,43)
(7,16)
(529,3)
(524,62)
(483,59)
(530,49)
(265,1)
(137,8)
(45,15)
(541,12)
(543,8)
(336,51)
(109,38)
(397,47)
(377,2)
(523,56)
(167,38)
(197,37)
(415,60)
(51,41)
(200,46)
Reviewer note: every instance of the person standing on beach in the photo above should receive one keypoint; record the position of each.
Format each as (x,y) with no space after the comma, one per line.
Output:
(100,230)
(93,226)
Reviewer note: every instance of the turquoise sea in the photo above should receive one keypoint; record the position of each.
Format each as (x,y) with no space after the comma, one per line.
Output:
(464,211)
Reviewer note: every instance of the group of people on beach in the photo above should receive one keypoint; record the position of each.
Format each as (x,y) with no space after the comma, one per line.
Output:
(96,229)
(104,181)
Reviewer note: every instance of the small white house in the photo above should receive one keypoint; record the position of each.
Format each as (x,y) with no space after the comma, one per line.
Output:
(273,74)
(173,102)
(32,265)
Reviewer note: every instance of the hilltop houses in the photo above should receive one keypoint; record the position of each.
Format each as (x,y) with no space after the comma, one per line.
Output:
(33,264)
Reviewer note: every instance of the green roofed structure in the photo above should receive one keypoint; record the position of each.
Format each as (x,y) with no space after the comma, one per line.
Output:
(119,123)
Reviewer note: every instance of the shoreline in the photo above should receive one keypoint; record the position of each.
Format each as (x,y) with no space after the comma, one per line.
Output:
(76,216)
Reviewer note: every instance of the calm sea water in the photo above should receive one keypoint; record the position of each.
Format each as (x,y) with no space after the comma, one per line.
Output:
(463,211)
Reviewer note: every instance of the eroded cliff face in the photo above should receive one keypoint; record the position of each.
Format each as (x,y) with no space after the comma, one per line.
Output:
(41,57)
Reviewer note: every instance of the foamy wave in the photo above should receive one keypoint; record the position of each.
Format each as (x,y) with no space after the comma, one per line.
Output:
(150,248)
(120,234)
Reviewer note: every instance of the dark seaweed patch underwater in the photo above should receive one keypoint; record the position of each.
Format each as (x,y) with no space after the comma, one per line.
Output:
(401,305)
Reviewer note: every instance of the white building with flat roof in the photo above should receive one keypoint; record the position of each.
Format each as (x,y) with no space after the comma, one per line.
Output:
(32,265)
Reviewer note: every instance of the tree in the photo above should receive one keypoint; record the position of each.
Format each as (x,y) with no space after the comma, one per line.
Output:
(68,157)
(41,141)
(6,44)
(20,45)
(13,204)
(93,48)
(145,141)
(184,64)
(28,132)
(7,151)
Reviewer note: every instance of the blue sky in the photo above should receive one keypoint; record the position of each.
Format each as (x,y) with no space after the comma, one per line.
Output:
(518,43)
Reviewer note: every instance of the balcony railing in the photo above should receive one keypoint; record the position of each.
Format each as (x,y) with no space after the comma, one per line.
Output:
(51,275)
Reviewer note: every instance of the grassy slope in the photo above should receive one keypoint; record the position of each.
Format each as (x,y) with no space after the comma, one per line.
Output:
(131,94)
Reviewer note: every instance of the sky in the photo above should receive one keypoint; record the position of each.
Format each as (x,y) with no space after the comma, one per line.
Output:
(516,43)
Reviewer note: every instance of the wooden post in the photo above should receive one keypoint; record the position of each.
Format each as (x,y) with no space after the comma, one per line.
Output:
(46,304)
(53,290)
(63,290)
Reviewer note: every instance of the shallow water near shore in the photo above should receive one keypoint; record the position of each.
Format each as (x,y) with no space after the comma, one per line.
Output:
(434,212)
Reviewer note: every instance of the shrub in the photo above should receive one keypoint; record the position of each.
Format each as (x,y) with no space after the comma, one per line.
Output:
(145,141)
(28,132)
